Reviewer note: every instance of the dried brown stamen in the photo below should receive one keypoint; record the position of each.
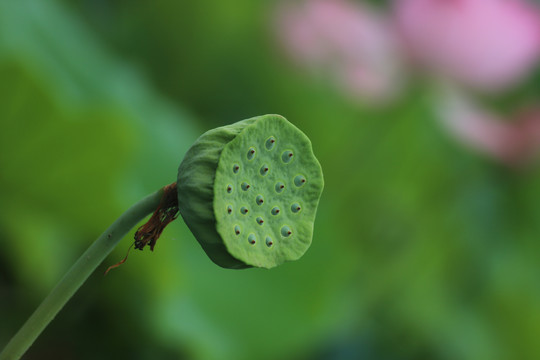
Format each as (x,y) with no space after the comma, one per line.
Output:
(149,233)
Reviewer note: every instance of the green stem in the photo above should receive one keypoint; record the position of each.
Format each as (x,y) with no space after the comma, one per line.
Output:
(77,275)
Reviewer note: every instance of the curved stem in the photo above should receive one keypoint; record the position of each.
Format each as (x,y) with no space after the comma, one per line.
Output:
(77,275)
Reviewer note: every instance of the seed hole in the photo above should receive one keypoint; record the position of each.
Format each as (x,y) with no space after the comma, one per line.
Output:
(270,143)
(259,200)
(251,153)
(299,180)
(236,168)
(264,170)
(275,210)
(252,239)
(260,220)
(244,210)
(229,188)
(287,156)
(245,186)
(237,230)
(295,208)
(280,187)
(286,231)
(229,209)
(269,241)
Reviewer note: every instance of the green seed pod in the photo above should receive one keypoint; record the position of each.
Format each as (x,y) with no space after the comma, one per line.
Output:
(241,188)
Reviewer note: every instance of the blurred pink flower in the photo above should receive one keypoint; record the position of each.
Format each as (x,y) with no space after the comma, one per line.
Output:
(486,44)
(349,41)
(511,141)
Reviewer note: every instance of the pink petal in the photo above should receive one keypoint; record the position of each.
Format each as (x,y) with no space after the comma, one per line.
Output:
(487,44)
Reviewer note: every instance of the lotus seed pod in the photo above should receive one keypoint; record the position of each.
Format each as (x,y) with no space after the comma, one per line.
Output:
(249,192)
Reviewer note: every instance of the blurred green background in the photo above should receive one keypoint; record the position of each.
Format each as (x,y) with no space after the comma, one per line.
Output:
(423,249)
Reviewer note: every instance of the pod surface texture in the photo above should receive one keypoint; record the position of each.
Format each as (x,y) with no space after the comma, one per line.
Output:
(249,192)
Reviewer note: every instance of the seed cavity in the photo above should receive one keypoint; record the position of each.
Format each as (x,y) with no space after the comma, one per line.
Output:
(299,180)
(245,186)
(252,239)
(275,210)
(244,210)
(229,209)
(260,220)
(269,241)
(237,230)
(259,200)
(295,208)
(229,188)
(251,153)
(270,143)
(280,187)
(264,170)
(286,231)
(287,156)
(236,168)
